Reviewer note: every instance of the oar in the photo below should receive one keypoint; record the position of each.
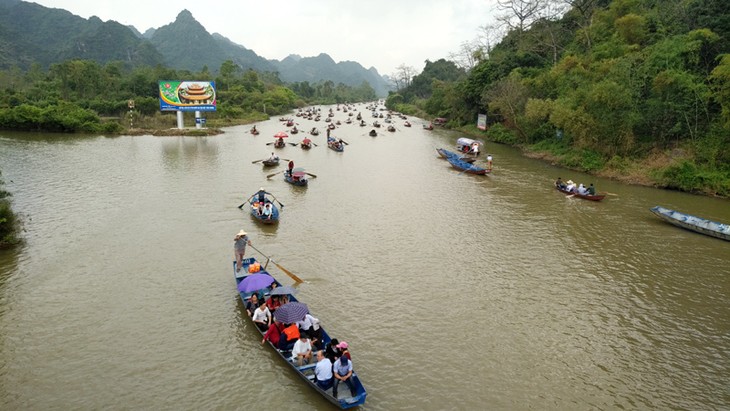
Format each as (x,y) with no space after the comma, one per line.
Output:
(610,194)
(273,174)
(310,174)
(346,143)
(314,144)
(287,272)
(256,161)
(293,144)
(244,203)
(270,143)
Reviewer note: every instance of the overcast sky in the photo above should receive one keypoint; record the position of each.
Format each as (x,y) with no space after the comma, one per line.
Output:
(379,33)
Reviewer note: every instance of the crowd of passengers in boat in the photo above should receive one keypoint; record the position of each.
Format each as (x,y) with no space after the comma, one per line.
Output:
(332,361)
(571,187)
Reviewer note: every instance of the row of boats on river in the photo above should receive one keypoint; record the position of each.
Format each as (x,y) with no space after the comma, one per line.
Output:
(266,209)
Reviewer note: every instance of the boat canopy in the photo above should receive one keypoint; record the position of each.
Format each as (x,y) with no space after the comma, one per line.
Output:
(463,141)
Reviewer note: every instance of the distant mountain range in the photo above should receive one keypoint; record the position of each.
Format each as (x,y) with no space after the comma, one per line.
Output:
(31,33)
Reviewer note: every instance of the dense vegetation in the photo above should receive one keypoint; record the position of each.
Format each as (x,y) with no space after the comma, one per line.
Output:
(638,89)
(9,221)
(84,96)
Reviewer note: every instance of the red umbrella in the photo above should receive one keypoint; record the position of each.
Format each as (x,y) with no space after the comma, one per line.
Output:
(306,141)
(281,134)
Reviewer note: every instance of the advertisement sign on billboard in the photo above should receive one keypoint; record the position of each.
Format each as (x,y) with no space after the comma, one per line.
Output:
(187,96)
(482,121)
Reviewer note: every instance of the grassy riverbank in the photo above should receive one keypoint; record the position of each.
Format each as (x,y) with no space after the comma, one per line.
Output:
(674,169)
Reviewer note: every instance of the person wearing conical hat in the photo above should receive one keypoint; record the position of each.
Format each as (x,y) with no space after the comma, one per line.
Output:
(239,248)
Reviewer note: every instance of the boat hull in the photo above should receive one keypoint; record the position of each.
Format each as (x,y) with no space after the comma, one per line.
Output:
(299,183)
(450,154)
(344,400)
(595,197)
(693,223)
(253,209)
(466,167)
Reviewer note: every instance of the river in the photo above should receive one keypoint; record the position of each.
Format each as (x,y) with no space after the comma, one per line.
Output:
(454,291)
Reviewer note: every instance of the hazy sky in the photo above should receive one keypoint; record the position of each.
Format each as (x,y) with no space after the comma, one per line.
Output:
(379,33)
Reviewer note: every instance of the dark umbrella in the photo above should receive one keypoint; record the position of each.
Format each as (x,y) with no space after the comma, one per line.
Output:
(255,282)
(291,312)
(285,290)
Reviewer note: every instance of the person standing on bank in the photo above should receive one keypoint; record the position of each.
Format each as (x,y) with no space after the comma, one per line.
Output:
(239,248)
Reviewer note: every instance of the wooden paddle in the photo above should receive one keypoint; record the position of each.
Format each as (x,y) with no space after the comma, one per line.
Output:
(244,203)
(273,174)
(314,144)
(256,161)
(287,272)
(293,144)
(310,174)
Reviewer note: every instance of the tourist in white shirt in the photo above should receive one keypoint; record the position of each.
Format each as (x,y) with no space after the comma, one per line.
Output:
(302,351)
(323,371)
(262,317)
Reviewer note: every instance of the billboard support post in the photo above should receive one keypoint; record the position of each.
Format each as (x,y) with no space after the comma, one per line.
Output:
(198,122)
(180,122)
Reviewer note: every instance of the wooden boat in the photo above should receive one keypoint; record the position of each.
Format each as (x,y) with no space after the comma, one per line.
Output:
(406,124)
(450,154)
(373,133)
(254,210)
(270,162)
(279,143)
(428,127)
(462,165)
(696,224)
(344,399)
(594,197)
(298,178)
(391,129)
(335,145)
(314,132)
(294,130)
(254,132)
(306,144)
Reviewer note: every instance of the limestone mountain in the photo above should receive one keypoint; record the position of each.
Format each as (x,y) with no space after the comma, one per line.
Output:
(31,33)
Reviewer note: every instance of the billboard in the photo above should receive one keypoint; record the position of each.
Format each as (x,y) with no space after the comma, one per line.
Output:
(187,96)
(482,121)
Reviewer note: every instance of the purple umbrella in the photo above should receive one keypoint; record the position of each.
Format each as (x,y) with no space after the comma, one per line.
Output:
(255,282)
(291,312)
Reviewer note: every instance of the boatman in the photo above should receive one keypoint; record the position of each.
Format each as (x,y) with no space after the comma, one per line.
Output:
(489,162)
(291,167)
(239,248)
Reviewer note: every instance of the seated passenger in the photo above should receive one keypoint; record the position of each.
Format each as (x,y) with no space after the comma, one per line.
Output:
(273,303)
(262,316)
(591,190)
(274,333)
(252,304)
(571,186)
(268,211)
(323,371)
(289,336)
(582,190)
(559,183)
(331,351)
(302,350)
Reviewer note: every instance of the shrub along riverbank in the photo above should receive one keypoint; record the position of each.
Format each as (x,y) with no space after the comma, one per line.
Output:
(9,221)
